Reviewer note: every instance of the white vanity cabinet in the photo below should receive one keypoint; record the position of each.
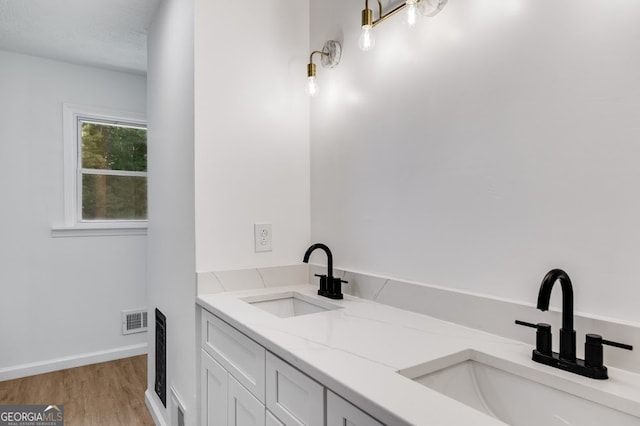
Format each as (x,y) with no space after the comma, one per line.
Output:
(236,353)
(295,398)
(214,391)
(231,376)
(242,384)
(272,421)
(243,409)
(341,412)
(225,402)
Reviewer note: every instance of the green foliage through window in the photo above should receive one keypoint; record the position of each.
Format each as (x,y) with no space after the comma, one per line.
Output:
(114,166)
(113,147)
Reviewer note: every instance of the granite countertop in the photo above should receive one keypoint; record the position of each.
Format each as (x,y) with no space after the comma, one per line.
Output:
(358,350)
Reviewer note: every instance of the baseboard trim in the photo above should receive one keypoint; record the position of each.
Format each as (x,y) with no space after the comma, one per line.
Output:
(47,366)
(155,409)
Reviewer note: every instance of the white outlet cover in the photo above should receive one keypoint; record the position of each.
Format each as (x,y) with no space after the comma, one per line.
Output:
(263,237)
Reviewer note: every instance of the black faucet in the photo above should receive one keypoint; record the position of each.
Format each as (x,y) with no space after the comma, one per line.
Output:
(567,333)
(591,366)
(330,286)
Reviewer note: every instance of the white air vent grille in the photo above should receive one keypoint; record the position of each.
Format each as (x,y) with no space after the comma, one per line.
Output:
(134,321)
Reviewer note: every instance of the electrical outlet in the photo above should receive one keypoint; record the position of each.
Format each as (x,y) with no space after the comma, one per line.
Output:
(262,233)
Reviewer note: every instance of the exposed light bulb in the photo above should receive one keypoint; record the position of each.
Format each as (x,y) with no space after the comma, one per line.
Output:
(412,13)
(312,86)
(366,41)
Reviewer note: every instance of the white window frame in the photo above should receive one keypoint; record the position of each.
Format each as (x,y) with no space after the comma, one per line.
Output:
(74,225)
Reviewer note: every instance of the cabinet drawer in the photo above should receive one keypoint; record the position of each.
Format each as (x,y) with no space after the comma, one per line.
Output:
(342,412)
(238,354)
(293,397)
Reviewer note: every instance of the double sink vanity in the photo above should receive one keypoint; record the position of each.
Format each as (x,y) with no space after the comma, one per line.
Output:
(287,356)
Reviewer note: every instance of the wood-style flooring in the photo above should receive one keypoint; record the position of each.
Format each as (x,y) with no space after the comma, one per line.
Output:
(105,394)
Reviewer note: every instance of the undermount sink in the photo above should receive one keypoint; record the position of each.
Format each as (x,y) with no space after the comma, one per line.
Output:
(508,397)
(289,304)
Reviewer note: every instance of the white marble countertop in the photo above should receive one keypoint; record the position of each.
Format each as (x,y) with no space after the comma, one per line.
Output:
(357,351)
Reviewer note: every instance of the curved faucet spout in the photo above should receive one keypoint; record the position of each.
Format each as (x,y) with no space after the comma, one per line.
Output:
(329,257)
(567,333)
(567,295)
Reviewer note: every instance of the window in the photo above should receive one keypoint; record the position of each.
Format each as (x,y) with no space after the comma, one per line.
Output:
(112,170)
(105,172)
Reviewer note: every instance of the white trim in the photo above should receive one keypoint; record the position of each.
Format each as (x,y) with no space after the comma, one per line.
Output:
(73,225)
(100,229)
(112,172)
(63,363)
(154,407)
(176,404)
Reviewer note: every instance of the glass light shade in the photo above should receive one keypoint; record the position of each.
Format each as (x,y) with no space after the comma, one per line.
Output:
(412,13)
(366,41)
(312,86)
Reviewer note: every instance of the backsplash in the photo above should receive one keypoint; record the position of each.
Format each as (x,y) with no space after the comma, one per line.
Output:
(245,279)
(489,314)
(493,315)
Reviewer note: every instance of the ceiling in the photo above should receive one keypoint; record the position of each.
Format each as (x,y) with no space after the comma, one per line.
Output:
(108,34)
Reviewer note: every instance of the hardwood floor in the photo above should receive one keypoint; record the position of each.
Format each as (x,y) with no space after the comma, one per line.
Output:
(105,394)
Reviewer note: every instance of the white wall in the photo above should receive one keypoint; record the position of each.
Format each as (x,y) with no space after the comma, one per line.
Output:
(235,155)
(494,142)
(252,131)
(60,298)
(171,253)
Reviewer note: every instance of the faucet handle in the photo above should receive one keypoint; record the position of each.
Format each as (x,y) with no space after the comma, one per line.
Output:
(543,336)
(526,324)
(324,276)
(593,349)
(322,291)
(617,345)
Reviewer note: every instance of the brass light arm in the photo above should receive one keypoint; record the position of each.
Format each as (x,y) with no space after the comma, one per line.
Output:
(318,52)
(389,14)
(428,8)
(311,67)
(367,18)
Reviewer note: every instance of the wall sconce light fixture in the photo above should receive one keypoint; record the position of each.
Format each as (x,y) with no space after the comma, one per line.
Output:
(329,58)
(425,7)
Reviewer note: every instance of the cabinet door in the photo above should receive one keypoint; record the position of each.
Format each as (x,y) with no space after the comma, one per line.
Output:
(295,398)
(341,412)
(272,420)
(244,408)
(213,392)
(238,354)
